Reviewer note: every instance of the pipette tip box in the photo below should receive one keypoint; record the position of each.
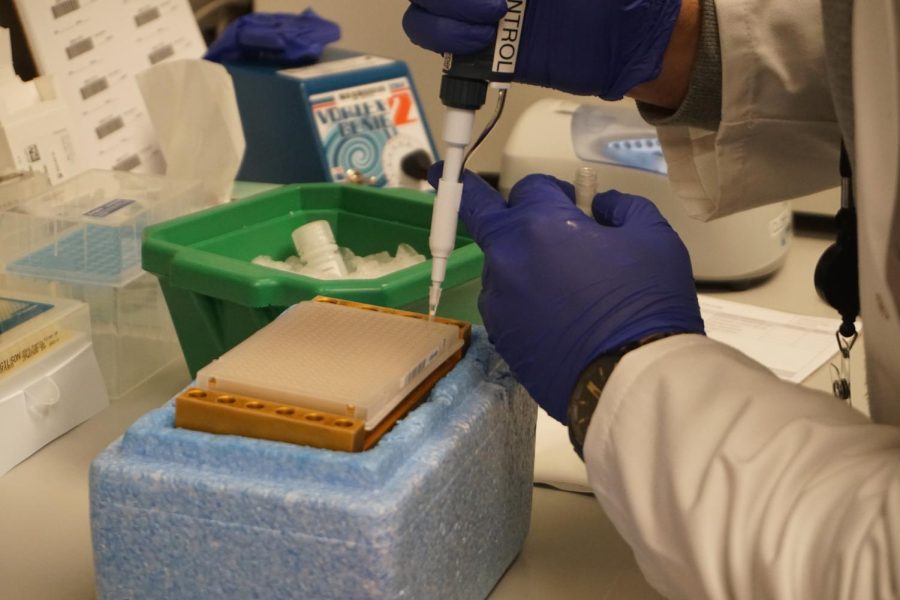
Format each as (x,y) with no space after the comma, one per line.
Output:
(81,240)
(438,509)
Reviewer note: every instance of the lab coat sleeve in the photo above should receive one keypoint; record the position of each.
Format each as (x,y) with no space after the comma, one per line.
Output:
(778,137)
(729,483)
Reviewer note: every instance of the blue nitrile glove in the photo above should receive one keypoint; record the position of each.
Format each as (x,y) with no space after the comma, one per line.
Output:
(279,38)
(559,288)
(592,47)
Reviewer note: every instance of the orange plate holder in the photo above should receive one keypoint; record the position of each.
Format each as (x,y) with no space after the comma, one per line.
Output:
(235,414)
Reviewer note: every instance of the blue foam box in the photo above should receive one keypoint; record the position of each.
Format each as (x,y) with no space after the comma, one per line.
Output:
(438,509)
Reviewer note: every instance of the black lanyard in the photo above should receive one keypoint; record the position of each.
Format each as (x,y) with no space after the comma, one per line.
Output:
(837,277)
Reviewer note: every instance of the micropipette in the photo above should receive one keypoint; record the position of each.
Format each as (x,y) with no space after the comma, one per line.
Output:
(463,91)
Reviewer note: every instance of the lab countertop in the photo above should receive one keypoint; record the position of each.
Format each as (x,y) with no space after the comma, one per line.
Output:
(572,550)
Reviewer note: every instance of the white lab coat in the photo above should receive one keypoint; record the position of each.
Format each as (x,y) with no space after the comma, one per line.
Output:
(726,481)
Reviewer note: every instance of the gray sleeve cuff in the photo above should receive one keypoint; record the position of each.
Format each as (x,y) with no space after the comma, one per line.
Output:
(702,106)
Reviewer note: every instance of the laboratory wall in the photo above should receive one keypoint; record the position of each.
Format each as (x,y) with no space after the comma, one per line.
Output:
(374,26)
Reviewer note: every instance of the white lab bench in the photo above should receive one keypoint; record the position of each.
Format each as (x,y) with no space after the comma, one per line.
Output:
(572,549)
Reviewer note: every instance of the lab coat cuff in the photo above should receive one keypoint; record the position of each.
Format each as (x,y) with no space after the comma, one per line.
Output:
(778,127)
(634,367)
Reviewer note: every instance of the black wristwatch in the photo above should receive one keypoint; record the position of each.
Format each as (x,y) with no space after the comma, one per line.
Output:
(590,386)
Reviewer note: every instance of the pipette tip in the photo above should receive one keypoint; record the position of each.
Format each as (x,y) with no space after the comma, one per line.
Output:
(434,298)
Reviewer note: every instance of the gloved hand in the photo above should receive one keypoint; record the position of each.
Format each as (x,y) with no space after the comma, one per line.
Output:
(591,47)
(279,38)
(559,288)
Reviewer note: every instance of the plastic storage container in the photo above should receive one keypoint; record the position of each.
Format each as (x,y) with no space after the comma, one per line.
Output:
(82,240)
(132,331)
(218,298)
(49,378)
(22,185)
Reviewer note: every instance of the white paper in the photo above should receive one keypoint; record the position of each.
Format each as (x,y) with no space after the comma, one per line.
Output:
(35,126)
(94,48)
(792,346)
(193,108)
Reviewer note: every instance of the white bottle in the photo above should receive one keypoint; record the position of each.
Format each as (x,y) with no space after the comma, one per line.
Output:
(316,247)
